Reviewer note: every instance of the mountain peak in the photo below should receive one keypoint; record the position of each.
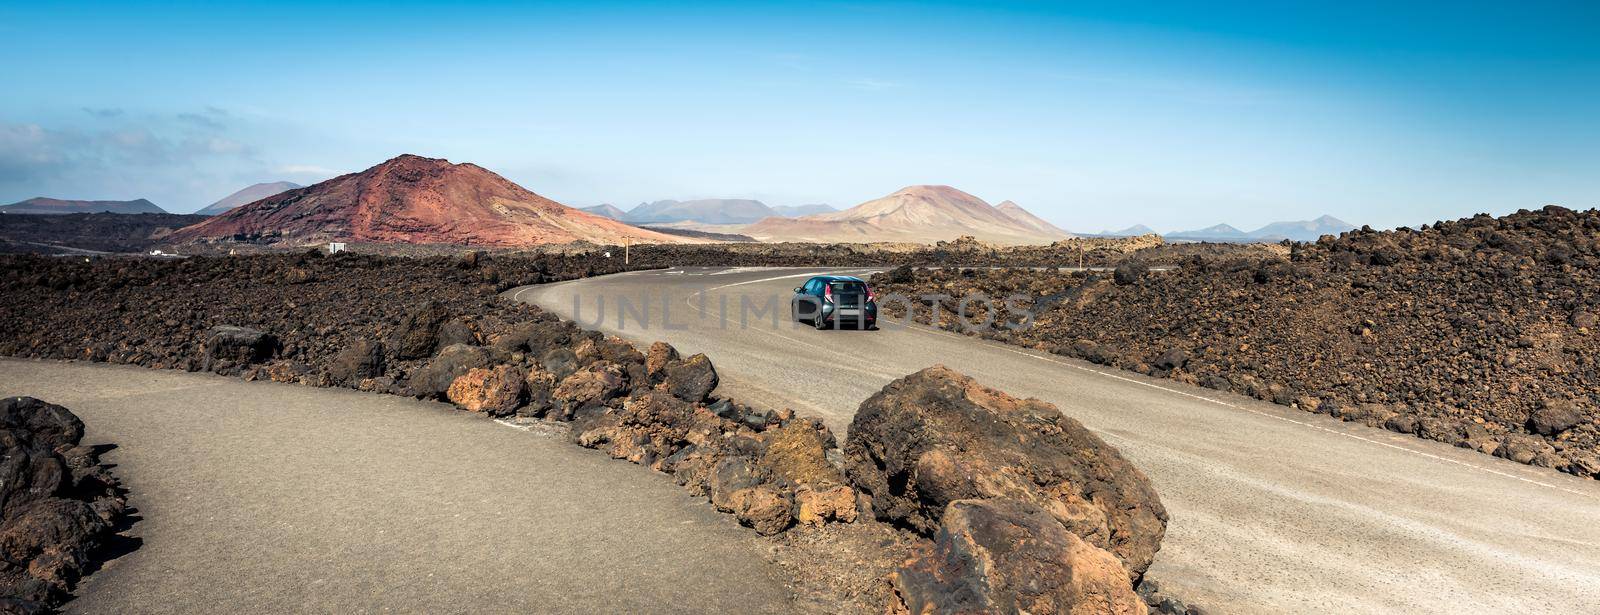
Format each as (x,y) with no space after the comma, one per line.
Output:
(249,194)
(414,199)
(1026,218)
(915,214)
(48,205)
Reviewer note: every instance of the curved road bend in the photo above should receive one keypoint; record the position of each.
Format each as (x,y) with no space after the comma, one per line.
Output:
(259,497)
(1273,510)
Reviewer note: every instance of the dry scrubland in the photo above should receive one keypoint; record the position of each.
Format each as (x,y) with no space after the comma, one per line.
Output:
(937,475)
(1480,332)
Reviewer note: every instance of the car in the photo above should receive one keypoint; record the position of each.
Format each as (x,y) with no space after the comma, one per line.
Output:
(830,301)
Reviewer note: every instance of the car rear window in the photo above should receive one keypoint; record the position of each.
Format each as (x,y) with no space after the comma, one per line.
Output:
(849,287)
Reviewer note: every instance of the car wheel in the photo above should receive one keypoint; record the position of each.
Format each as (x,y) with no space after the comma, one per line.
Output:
(820,323)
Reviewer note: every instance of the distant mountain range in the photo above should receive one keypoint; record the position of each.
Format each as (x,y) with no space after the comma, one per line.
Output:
(704,211)
(605,209)
(915,214)
(412,199)
(793,211)
(1218,231)
(45,205)
(1132,231)
(708,211)
(250,194)
(1305,230)
(1297,230)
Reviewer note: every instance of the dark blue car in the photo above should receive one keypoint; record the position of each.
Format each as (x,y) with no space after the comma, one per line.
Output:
(835,301)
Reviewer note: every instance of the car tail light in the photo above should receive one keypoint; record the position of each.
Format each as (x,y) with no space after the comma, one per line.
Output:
(827,292)
(871,296)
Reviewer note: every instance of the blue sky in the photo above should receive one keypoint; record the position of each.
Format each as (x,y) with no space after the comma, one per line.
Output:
(1093,115)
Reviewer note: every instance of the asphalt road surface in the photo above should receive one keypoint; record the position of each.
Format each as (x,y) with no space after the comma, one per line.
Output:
(259,497)
(1273,509)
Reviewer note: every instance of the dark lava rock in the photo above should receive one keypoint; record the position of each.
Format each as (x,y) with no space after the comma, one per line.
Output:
(454,361)
(561,362)
(691,379)
(58,505)
(1172,359)
(362,359)
(232,346)
(456,331)
(1554,417)
(417,335)
(936,437)
(1130,272)
(1007,556)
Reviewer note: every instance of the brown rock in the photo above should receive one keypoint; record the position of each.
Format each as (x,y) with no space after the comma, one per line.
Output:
(656,361)
(815,507)
(936,436)
(1554,417)
(1007,556)
(592,386)
(765,508)
(648,428)
(436,377)
(495,392)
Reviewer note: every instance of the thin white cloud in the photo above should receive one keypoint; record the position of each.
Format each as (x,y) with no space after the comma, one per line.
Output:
(873,85)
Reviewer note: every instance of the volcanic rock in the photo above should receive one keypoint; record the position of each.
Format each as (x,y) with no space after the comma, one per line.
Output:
(435,378)
(589,387)
(1007,556)
(417,336)
(58,504)
(1554,417)
(362,359)
(661,354)
(737,487)
(936,436)
(1130,272)
(228,346)
(495,391)
(691,379)
(1172,359)
(540,386)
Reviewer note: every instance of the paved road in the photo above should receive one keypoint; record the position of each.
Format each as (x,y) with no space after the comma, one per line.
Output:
(1274,510)
(261,498)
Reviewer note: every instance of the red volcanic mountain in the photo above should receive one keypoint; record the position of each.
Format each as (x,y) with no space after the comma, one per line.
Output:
(411,199)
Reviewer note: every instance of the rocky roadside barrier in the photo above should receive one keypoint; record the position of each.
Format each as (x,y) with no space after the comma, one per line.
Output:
(1477,332)
(60,508)
(346,320)
(938,473)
